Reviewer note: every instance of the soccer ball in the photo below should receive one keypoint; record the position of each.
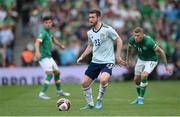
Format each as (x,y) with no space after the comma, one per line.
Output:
(63,104)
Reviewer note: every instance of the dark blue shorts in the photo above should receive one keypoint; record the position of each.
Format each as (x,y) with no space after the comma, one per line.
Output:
(94,69)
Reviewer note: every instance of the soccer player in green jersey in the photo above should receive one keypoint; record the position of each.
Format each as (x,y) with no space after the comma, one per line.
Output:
(43,46)
(148,52)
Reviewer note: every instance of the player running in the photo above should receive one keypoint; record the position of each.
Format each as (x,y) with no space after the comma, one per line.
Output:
(101,38)
(43,46)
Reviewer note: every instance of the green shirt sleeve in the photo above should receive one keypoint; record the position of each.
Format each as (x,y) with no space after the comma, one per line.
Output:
(131,40)
(151,43)
(41,36)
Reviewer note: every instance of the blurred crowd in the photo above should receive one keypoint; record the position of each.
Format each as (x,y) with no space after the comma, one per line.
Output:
(159,18)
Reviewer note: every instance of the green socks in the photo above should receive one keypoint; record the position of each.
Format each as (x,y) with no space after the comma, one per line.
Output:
(57,81)
(143,85)
(138,87)
(46,82)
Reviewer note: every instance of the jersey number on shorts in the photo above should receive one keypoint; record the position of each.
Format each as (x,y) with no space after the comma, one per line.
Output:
(152,64)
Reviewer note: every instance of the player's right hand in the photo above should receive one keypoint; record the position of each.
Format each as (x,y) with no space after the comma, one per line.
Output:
(79,60)
(62,47)
(37,54)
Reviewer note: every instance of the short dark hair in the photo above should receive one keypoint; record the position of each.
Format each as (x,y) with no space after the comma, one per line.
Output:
(97,12)
(138,29)
(45,18)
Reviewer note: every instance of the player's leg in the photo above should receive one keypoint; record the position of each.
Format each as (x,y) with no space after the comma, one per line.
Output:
(57,80)
(137,78)
(86,82)
(149,66)
(91,73)
(143,86)
(47,67)
(45,85)
(106,71)
(104,78)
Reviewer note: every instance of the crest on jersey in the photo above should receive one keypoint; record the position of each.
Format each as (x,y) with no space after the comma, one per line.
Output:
(144,48)
(102,36)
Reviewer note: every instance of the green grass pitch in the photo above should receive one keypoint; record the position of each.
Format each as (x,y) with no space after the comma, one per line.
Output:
(161,99)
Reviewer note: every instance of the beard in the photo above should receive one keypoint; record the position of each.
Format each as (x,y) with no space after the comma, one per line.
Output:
(93,24)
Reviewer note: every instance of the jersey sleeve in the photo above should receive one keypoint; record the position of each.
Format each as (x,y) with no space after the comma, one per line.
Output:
(151,44)
(89,39)
(112,34)
(131,40)
(41,36)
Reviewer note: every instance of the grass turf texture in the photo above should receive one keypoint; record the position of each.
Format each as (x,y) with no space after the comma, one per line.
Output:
(161,99)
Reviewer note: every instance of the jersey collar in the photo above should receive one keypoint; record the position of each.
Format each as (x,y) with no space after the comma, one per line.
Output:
(98,29)
(47,30)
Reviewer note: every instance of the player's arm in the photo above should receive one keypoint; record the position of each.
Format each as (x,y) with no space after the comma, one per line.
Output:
(56,42)
(114,36)
(118,51)
(37,52)
(87,51)
(119,46)
(163,57)
(128,53)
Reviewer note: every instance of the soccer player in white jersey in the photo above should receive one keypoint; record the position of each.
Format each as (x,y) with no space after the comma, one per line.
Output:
(101,38)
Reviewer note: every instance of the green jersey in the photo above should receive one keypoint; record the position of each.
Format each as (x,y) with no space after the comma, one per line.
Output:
(45,37)
(145,48)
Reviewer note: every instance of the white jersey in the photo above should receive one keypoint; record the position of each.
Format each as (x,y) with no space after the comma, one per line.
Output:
(103,44)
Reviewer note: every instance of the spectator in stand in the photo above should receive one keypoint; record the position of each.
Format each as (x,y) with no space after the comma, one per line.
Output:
(176,59)
(2,57)
(70,18)
(27,57)
(6,39)
(70,54)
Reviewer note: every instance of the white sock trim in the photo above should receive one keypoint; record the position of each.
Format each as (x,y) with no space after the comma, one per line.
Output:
(143,84)
(46,82)
(87,88)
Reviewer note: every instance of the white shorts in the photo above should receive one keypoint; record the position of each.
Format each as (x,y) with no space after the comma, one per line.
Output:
(48,64)
(144,66)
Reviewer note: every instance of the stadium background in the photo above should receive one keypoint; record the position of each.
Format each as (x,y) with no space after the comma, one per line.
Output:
(20,24)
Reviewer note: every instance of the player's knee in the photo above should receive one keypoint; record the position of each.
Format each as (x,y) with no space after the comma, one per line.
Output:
(49,72)
(144,75)
(85,83)
(57,72)
(137,78)
(103,82)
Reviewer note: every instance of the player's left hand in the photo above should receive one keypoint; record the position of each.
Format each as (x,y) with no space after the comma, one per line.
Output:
(120,61)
